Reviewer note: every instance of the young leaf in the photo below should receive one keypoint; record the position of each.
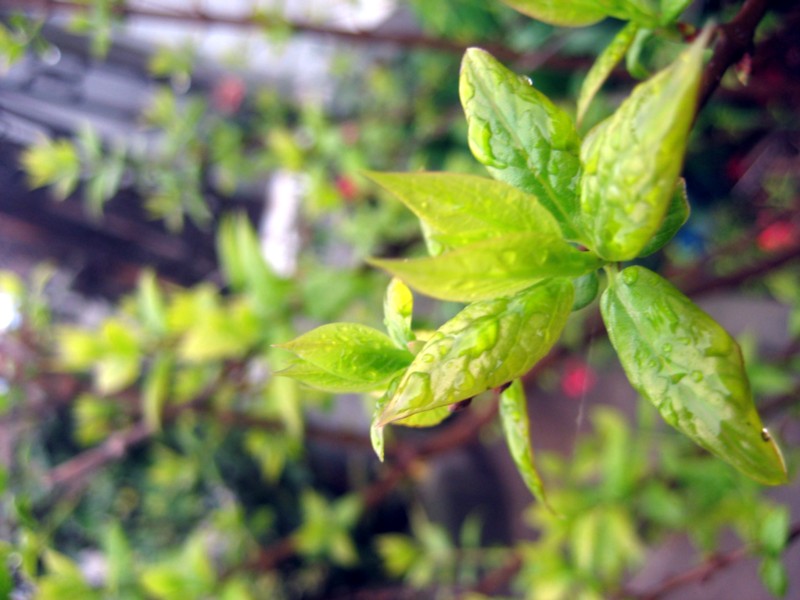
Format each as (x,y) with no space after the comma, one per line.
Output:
(460,209)
(516,427)
(491,268)
(632,161)
(603,66)
(586,288)
(485,345)
(398,305)
(677,215)
(567,13)
(521,137)
(345,357)
(690,368)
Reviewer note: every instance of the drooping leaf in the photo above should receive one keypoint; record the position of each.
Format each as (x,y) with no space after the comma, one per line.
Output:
(491,268)
(516,427)
(460,209)
(604,65)
(398,306)
(690,368)
(676,217)
(521,137)
(485,345)
(633,159)
(567,13)
(345,357)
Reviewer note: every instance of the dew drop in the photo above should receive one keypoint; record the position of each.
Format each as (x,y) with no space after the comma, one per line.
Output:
(629,276)
(765,435)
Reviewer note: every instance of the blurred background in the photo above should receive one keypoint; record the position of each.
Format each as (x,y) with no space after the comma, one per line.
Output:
(181,188)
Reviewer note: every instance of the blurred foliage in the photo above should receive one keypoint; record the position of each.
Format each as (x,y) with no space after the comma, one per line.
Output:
(155,455)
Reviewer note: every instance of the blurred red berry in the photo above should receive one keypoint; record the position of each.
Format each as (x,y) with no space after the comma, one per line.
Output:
(346,187)
(777,236)
(578,379)
(228,94)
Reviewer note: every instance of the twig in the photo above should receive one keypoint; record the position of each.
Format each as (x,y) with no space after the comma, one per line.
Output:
(734,40)
(702,572)
(407,456)
(407,40)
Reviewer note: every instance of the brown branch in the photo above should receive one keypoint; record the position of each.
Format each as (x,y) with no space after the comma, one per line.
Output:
(407,457)
(702,572)
(697,282)
(496,581)
(76,471)
(734,40)
(407,40)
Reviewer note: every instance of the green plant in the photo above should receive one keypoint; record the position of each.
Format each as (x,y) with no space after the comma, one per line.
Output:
(518,247)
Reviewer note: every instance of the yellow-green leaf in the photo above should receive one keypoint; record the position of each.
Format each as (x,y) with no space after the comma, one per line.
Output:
(691,369)
(485,345)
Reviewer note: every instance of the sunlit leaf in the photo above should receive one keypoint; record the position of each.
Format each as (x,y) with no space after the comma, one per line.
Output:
(398,306)
(491,268)
(345,357)
(460,209)
(521,136)
(632,161)
(485,345)
(690,368)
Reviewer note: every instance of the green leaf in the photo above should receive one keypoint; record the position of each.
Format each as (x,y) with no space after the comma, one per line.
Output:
(586,288)
(567,13)
(485,345)
(676,217)
(52,162)
(398,306)
(672,9)
(521,137)
(773,533)
(460,209)
(118,364)
(345,357)
(691,369)
(516,427)
(632,161)
(228,254)
(491,268)
(774,576)
(219,333)
(150,303)
(155,390)
(604,65)
(245,267)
